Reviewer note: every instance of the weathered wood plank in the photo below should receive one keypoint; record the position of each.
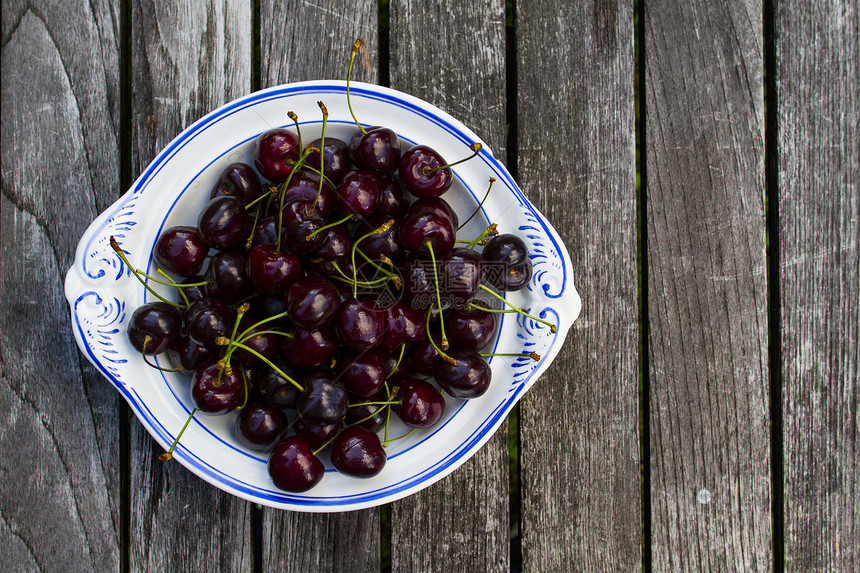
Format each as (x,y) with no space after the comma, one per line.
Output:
(187,59)
(452,54)
(576,159)
(308,40)
(817,79)
(707,290)
(59,437)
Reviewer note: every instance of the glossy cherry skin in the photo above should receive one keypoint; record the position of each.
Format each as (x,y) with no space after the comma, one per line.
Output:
(324,400)
(419,283)
(309,348)
(187,355)
(265,344)
(239,180)
(192,293)
(180,250)
(359,324)
(393,201)
(153,327)
(207,320)
(402,323)
(312,301)
(305,186)
(266,231)
(362,372)
(422,357)
(423,224)
(223,223)
(336,245)
(419,403)
(317,435)
(461,271)
(269,306)
(357,452)
(272,271)
(276,153)
(216,391)
(469,329)
(227,277)
(260,426)
(469,378)
(357,194)
(377,150)
(508,267)
(304,237)
(436,204)
(336,158)
(423,173)
(276,390)
(365,414)
(385,243)
(293,467)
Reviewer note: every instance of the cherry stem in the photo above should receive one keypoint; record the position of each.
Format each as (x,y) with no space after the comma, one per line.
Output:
(480,205)
(366,418)
(476,147)
(232,344)
(292,115)
(429,246)
(386,442)
(395,278)
(245,382)
(533,355)
(322,154)
(137,273)
(488,232)
(329,226)
(352,54)
(350,281)
(374,404)
(444,356)
(383,228)
(174,284)
(283,192)
(496,310)
(146,341)
(168,455)
(399,358)
(262,322)
(522,311)
(315,170)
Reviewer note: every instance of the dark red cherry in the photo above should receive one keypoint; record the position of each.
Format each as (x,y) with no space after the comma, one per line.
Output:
(259,426)
(336,245)
(187,355)
(293,467)
(261,341)
(433,224)
(217,391)
(304,237)
(362,372)
(305,186)
(207,320)
(268,306)
(312,301)
(461,271)
(393,201)
(469,378)
(336,158)
(436,204)
(318,435)
(419,283)
(507,267)
(276,153)
(298,210)
(359,324)
(276,390)
(195,292)
(364,413)
(239,180)
(309,348)
(357,452)
(422,356)
(181,251)
(227,277)
(423,173)
(419,403)
(223,223)
(324,400)
(403,323)
(470,329)
(377,150)
(385,243)
(266,231)
(272,271)
(357,194)
(153,327)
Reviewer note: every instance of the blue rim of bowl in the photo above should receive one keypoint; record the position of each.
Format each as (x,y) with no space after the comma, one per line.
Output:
(278,498)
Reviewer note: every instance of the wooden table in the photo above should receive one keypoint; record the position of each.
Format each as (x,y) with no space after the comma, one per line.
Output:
(703,414)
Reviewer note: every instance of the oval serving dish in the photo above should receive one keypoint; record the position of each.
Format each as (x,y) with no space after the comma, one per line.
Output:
(102,292)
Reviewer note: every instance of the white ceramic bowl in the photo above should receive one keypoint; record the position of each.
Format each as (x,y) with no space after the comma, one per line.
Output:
(172,190)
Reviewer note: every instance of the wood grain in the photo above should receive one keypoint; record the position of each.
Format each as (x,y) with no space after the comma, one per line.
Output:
(60,498)
(187,59)
(576,161)
(817,81)
(452,55)
(707,290)
(311,40)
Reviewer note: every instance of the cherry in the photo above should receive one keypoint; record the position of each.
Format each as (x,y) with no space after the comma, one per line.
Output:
(305,236)
(318,435)
(180,250)
(272,271)
(470,329)
(336,245)
(402,324)
(423,172)
(293,466)
(367,414)
(187,355)
(305,186)
(239,180)
(375,149)
(276,153)
(358,193)
(196,292)
(357,452)
(335,158)
(418,282)
(419,403)
(508,267)
(422,357)
(437,204)
(227,277)
(153,327)
(266,231)
(217,391)
(260,341)
(428,224)
(276,390)
(270,306)
(260,426)
(359,324)
(468,378)
(393,201)
(324,399)
(385,243)
(309,348)
(461,271)
(362,372)
(312,301)
(223,223)
(207,320)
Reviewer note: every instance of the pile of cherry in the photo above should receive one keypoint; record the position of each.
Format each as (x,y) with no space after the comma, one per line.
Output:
(336,292)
